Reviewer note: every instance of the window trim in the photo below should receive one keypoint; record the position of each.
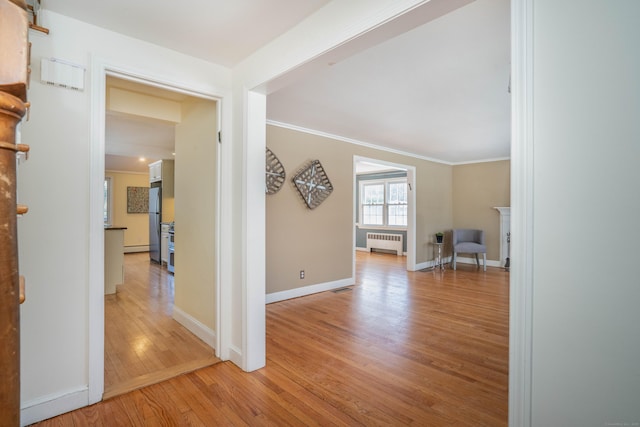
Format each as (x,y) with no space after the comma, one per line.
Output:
(385,205)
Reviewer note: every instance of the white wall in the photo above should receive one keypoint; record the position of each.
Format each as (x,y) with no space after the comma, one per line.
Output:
(54,183)
(586,144)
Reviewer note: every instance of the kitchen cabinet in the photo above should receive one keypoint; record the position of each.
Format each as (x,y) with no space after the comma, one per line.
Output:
(113,258)
(162,170)
(155,171)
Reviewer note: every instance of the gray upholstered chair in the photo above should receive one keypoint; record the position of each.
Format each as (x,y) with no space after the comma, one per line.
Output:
(467,241)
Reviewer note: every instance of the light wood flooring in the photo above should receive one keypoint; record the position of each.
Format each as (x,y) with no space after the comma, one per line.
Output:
(399,348)
(143,344)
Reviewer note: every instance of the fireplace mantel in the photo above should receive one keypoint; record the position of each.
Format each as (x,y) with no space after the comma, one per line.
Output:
(503,210)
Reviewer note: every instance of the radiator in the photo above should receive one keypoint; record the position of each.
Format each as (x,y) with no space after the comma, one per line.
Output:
(385,241)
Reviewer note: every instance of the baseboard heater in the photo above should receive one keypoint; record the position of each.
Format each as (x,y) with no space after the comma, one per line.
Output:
(385,241)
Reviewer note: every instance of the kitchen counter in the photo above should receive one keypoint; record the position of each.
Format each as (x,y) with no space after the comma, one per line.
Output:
(113,258)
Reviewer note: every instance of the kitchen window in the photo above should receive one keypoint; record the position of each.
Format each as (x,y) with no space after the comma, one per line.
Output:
(383,203)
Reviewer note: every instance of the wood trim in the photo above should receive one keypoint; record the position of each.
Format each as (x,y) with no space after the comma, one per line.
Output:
(59,403)
(196,327)
(308,290)
(235,355)
(96,232)
(357,142)
(521,296)
(466,260)
(432,263)
(254,232)
(100,67)
(136,248)
(39,28)
(12,109)
(22,290)
(156,377)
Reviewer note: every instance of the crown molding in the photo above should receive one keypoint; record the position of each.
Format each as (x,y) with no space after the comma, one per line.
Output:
(376,146)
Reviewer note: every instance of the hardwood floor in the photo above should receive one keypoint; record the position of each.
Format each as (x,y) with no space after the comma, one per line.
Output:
(399,348)
(143,344)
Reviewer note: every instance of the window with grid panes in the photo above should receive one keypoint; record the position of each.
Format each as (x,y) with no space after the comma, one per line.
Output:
(383,203)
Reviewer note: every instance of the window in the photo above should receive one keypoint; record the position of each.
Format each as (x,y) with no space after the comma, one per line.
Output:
(373,204)
(107,200)
(397,203)
(383,203)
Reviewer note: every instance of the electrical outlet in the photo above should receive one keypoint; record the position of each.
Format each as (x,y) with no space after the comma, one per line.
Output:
(302,274)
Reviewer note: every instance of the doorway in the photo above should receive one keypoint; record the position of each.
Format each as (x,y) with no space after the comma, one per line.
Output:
(384,174)
(199,111)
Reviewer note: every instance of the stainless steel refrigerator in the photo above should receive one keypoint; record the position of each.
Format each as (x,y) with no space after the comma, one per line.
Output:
(155,217)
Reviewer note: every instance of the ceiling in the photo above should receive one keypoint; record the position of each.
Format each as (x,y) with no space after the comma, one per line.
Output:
(439,91)
(132,142)
(239,27)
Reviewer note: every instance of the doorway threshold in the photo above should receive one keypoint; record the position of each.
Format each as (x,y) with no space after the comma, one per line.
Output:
(157,377)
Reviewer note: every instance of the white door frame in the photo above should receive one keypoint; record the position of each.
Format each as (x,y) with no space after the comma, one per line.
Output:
(411,209)
(100,68)
(521,272)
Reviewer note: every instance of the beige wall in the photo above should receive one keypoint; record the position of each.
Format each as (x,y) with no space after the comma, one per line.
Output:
(320,241)
(477,189)
(168,191)
(195,211)
(137,232)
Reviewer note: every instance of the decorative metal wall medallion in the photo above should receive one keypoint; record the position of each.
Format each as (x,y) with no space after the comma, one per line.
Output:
(313,184)
(275,174)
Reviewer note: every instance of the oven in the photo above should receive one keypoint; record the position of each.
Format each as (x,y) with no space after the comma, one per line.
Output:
(171,254)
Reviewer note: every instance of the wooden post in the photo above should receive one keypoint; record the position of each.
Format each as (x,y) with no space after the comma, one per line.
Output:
(12,110)
(14,72)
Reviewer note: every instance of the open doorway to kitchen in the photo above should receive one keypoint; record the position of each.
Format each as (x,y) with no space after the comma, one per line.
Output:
(160,320)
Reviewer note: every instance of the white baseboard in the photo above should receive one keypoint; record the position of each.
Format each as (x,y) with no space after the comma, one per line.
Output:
(196,327)
(235,355)
(423,265)
(490,263)
(138,248)
(308,290)
(432,263)
(460,260)
(53,405)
